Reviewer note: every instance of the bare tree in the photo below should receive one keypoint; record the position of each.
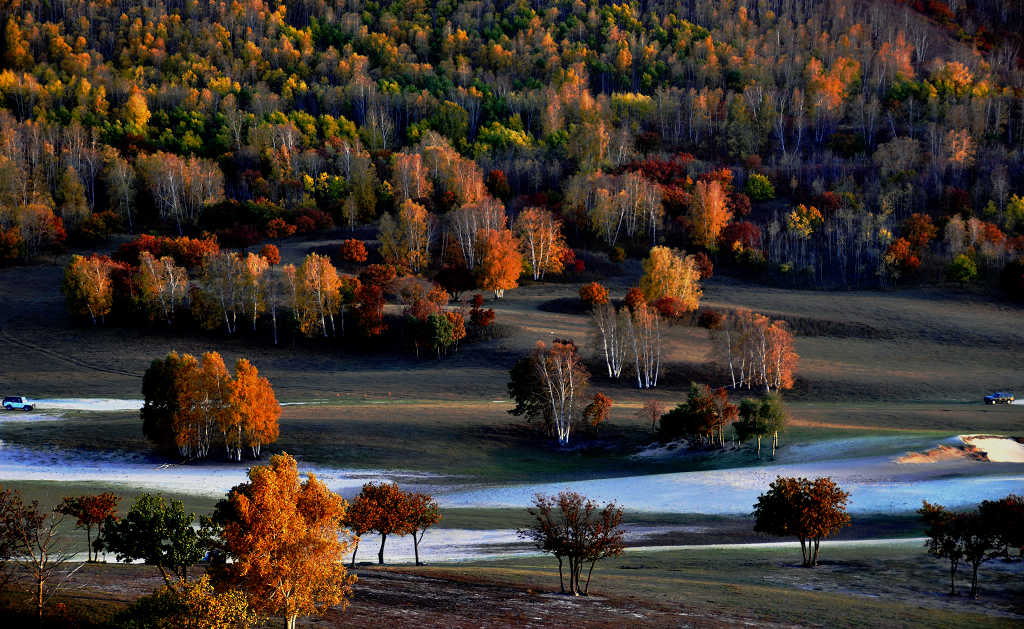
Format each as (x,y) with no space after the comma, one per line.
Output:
(40,550)
(613,328)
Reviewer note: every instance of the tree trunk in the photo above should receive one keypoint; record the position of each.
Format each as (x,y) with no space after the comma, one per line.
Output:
(759,446)
(561,580)
(380,553)
(416,547)
(355,549)
(974,579)
(39,598)
(289,622)
(953,565)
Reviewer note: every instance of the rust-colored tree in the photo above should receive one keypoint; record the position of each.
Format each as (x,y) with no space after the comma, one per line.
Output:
(808,509)
(578,532)
(598,411)
(286,540)
(709,213)
(593,294)
(423,514)
(253,420)
(90,511)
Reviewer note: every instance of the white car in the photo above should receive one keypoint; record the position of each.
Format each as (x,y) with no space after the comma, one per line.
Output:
(17,401)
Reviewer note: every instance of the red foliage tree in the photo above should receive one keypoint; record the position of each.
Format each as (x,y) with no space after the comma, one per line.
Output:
(353,250)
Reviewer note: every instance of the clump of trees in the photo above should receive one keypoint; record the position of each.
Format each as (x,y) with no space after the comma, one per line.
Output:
(757,351)
(810,510)
(631,334)
(761,418)
(702,419)
(190,403)
(276,543)
(550,386)
(578,532)
(994,530)
(385,509)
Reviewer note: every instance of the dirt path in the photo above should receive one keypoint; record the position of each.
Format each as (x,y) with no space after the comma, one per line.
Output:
(63,357)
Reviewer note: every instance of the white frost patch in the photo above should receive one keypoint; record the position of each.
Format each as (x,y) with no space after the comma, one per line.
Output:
(21,416)
(88,404)
(140,472)
(998,449)
(876,485)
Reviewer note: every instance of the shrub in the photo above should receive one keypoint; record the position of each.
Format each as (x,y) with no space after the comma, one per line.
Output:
(759,188)
(962,269)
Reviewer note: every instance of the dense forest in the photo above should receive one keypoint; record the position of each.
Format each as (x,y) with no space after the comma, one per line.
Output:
(826,144)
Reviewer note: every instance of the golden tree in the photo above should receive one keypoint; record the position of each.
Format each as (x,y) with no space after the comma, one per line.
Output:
(286,539)
(204,399)
(88,287)
(405,243)
(317,294)
(668,274)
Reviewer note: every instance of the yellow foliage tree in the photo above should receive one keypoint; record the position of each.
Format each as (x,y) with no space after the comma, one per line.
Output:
(287,541)
(88,287)
(668,274)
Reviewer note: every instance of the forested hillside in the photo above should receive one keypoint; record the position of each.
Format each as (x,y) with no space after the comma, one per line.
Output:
(837,143)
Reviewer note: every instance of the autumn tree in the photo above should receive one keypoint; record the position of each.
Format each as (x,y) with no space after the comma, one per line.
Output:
(271,254)
(162,285)
(386,511)
(499,262)
(405,242)
(254,280)
(808,509)
(38,547)
(90,511)
(158,532)
(318,294)
(222,280)
(757,351)
(423,513)
(286,540)
(593,294)
(205,402)
(597,412)
(353,251)
(709,213)
(578,532)
(701,419)
(540,236)
(88,288)
(651,411)
(668,274)
(470,222)
(251,420)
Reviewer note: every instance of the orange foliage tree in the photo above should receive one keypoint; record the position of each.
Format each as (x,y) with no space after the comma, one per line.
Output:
(318,294)
(253,415)
(286,539)
(668,274)
(597,412)
(810,510)
(499,263)
(709,213)
(384,509)
(271,253)
(353,250)
(593,294)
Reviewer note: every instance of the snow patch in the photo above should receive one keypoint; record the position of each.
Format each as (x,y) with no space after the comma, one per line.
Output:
(88,404)
(999,449)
